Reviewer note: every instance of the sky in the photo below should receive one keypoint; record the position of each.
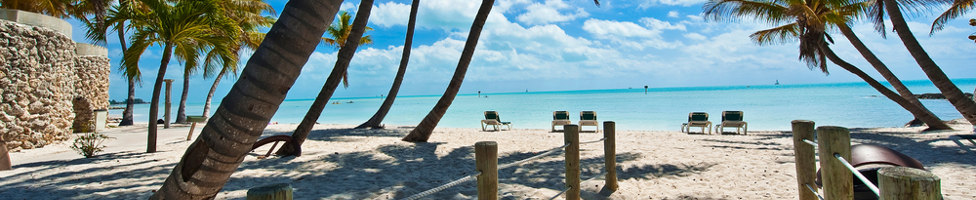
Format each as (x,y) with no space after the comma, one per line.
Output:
(557,45)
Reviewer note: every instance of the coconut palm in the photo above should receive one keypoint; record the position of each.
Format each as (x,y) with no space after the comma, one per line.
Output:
(346,53)
(807,21)
(426,127)
(247,14)
(183,26)
(55,8)
(248,107)
(377,119)
(339,32)
(932,70)
(956,9)
(115,19)
(972,22)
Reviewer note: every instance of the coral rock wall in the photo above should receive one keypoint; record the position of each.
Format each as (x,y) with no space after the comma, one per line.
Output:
(40,79)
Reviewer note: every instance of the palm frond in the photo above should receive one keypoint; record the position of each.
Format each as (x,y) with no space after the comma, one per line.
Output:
(779,35)
(768,11)
(958,8)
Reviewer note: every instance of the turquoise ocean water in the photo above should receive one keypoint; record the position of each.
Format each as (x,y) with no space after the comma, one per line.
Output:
(766,107)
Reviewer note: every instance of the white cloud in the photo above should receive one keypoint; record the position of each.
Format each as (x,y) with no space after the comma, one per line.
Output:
(609,29)
(695,36)
(390,14)
(673,14)
(549,12)
(656,24)
(644,4)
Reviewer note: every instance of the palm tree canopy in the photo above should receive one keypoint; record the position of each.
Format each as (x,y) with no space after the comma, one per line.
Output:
(795,20)
(340,31)
(247,14)
(189,26)
(958,8)
(55,8)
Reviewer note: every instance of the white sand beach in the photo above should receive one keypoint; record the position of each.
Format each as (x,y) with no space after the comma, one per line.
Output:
(341,163)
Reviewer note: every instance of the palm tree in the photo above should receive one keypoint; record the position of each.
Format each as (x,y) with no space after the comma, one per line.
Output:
(426,127)
(54,8)
(247,14)
(339,33)
(346,53)
(248,107)
(972,22)
(807,21)
(935,74)
(116,18)
(183,26)
(926,116)
(958,8)
(377,119)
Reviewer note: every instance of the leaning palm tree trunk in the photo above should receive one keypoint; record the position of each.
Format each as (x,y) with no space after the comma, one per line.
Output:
(245,111)
(181,110)
(213,89)
(924,115)
(345,55)
(426,127)
(377,119)
(131,100)
(951,92)
(129,103)
(154,102)
(915,110)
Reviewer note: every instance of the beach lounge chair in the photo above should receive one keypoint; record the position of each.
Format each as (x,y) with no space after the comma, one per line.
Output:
(492,119)
(697,119)
(560,118)
(732,119)
(588,118)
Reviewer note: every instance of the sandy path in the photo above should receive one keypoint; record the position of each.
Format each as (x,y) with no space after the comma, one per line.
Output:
(340,163)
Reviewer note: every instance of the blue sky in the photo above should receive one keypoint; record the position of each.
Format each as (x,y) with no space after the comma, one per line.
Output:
(574,45)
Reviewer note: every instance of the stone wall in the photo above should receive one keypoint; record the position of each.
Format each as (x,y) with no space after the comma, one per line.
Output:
(91,90)
(44,73)
(36,85)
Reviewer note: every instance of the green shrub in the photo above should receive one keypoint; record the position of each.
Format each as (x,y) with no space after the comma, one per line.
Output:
(88,144)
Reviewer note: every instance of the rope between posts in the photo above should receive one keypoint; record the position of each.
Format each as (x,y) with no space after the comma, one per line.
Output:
(810,142)
(500,167)
(443,187)
(523,161)
(858,174)
(594,141)
(560,193)
(814,191)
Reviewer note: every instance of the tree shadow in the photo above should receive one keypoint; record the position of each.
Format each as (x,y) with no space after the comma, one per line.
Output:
(53,179)
(923,150)
(399,170)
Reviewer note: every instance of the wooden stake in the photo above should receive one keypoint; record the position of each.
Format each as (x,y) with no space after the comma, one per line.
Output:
(571,136)
(281,191)
(486,159)
(169,89)
(610,154)
(805,157)
(838,181)
(908,183)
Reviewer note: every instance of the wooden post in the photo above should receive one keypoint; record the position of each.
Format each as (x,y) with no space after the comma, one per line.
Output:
(838,181)
(571,136)
(280,191)
(4,155)
(486,159)
(169,89)
(908,183)
(805,157)
(190,135)
(610,154)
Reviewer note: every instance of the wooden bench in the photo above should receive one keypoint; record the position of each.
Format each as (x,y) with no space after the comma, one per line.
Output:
(193,124)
